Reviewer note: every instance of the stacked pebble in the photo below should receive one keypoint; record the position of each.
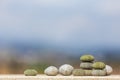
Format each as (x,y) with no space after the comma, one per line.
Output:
(87,68)
(90,68)
(86,64)
(98,69)
(78,72)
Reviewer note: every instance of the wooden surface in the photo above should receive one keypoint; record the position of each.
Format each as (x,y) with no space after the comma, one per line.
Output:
(59,77)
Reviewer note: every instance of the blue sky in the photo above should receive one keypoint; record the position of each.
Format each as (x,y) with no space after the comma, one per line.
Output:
(61,22)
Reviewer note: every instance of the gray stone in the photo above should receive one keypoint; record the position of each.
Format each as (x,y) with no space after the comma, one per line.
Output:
(86,65)
(98,72)
(78,72)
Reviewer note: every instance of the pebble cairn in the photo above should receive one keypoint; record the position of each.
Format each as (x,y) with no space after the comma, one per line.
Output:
(87,68)
(86,64)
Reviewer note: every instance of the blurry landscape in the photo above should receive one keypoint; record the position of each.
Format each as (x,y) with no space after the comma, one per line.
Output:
(18,58)
(40,33)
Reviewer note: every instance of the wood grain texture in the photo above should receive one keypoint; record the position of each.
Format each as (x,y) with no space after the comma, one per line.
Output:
(58,77)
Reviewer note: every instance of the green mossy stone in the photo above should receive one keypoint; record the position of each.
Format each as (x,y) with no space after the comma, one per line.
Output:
(98,65)
(88,72)
(78,72)
(30,72)
(99,73)
(86,65)
(87,58)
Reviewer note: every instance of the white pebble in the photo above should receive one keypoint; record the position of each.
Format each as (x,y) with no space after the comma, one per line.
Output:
(66,69)
(108,69)
(51,71)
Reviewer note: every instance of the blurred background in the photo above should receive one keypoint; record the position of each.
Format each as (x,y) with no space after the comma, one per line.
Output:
(40,33)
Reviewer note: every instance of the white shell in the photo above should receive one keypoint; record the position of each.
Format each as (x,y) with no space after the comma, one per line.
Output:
(66,69)
(51,71)
(108,69)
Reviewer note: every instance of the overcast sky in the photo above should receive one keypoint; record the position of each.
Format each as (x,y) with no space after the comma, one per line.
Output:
(61,22)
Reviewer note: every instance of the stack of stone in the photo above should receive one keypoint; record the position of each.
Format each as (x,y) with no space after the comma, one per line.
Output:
(99,69)
(86,64)
(90,68)
(87,68)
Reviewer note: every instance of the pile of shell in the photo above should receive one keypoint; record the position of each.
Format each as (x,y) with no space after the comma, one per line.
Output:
(87,68)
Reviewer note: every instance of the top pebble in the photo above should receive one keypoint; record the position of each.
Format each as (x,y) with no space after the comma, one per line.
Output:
(87,58)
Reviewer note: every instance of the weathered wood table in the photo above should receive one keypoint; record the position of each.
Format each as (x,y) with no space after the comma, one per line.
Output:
(59,77)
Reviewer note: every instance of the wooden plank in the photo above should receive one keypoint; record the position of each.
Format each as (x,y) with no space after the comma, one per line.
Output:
(58,77)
